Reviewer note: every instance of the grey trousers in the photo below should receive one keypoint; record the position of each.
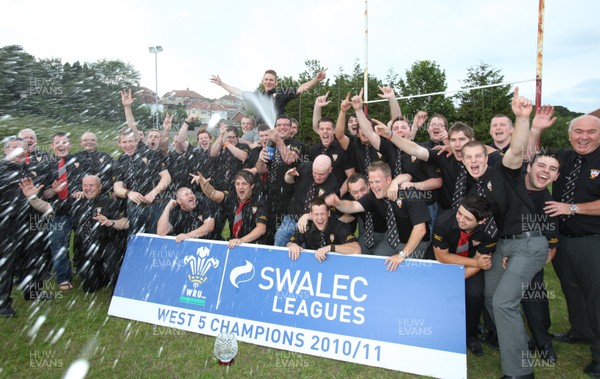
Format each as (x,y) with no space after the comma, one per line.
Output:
(504,290)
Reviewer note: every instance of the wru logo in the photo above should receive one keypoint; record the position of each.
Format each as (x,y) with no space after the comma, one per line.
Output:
(199,265)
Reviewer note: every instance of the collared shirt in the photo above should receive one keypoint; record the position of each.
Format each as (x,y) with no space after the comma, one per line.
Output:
(336,233)
(186,221)
(449,169)
(446,235)
(357,151)
(587,189)
(252,213)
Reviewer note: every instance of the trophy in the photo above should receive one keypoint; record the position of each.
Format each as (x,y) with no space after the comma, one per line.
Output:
(225,348)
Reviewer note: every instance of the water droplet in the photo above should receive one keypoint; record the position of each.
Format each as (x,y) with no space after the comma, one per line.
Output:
(78,369)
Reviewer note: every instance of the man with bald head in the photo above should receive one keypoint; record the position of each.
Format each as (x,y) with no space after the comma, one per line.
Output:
(185,217)
(308,181)
(576,196)
(98,220)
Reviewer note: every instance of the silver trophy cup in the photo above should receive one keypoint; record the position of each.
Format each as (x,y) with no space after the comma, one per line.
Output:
(226,348)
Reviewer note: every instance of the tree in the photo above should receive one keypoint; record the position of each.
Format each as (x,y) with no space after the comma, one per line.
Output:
(425,77)
(477,107)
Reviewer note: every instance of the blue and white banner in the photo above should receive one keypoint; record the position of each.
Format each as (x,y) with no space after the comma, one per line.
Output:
(348,307)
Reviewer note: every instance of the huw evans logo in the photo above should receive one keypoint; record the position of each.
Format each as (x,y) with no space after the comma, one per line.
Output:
(199,265)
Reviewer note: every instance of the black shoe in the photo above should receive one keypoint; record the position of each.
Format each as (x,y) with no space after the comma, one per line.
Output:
(593,369)
(38,295)
(528,376)
(547,353)
(7,312)
(568,337)
(474,347)
(491,340)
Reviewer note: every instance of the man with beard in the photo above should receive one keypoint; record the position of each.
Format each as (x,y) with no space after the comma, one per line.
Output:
(325,234)
(245,213)
(186,218)
(96,219)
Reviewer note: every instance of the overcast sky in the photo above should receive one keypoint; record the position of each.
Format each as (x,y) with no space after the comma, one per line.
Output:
(240,39)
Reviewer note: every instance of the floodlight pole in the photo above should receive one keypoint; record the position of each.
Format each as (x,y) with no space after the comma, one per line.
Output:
(155,50)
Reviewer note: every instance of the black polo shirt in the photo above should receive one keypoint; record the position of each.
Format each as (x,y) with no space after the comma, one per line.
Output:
(97,163)
(226,165)
(252,213)
(186,221)
(92,240)
(587,189)
(408,212)
(548,225)
(139,171)
(339,161)
(302,185)
(519,213)
(446,235)
(179,169)
(279,196)
(357,151)
(336,232)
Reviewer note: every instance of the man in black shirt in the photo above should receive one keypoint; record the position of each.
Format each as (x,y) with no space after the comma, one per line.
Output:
(141,175)
(459,238)
(280,96)
(98,220)
(246,215)
(14,225)
(287,155)
(94,162)
(325,234)
(577,203)
(228,154)
(185,218)
(62,179)
(522,247)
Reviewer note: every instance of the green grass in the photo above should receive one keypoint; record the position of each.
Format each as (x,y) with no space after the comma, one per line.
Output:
(117,348)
